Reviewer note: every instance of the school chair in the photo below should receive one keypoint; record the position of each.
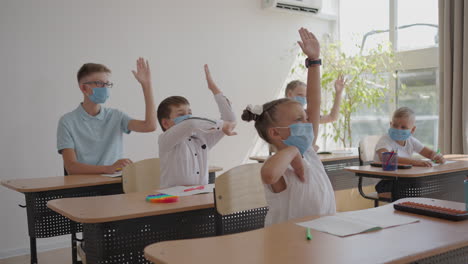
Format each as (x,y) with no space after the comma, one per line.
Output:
(143,175)
(240,200)
(366,156)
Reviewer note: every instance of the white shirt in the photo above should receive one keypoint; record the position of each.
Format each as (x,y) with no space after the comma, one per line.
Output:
(315,196)
(411,146)
(183,148)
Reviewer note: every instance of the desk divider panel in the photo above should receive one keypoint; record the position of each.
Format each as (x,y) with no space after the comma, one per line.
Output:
(43,222)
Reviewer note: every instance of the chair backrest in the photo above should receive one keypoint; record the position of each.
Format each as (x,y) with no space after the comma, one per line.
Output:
(143,175)
(367,148)
(240,200)
(240,189)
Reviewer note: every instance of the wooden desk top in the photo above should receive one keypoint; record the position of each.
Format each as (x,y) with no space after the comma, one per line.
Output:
(286,243)
(65,182)
(100,209)
(322,157)
(214,169)
(460,165)
(58,183)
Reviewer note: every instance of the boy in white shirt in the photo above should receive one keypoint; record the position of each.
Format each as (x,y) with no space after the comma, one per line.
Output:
(184,145)
(400,139)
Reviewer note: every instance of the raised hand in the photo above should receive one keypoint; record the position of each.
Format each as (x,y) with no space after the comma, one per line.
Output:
(309,44)
(143,72)
(211,84)
(228,128)
(340,84)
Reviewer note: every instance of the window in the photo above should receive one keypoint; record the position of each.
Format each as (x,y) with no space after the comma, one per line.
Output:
(415,40)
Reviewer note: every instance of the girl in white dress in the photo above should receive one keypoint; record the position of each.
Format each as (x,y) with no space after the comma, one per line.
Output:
(296,183)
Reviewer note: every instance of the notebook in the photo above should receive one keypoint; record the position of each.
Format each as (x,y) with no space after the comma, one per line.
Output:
(350,223)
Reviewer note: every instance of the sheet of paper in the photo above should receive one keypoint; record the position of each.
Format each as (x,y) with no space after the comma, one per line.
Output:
(188,190)
(350,223)
(338,226)
(446,162)
(112,175)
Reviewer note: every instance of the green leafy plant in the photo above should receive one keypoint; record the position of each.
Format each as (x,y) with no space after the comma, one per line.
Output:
(367,83)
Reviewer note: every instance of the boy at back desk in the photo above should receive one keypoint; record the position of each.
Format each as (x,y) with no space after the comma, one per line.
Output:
(400,139)
(90,137)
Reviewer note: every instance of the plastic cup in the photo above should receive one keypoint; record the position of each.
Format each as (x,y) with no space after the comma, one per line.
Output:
(389,161)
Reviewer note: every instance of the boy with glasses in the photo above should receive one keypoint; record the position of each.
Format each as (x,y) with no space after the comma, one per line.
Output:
(90,137)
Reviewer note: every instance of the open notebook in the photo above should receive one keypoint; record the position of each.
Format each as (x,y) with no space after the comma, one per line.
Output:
(350,223)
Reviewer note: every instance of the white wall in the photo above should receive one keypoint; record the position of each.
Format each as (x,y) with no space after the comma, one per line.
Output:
(43,43)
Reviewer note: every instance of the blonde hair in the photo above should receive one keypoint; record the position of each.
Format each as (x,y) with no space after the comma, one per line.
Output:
(404,112)
(292,85)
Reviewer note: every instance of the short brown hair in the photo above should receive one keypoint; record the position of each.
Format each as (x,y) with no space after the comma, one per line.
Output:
(292,85)
(267,118)
(164,108)
(90,68)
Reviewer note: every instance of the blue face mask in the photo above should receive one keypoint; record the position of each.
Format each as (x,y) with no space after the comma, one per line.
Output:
(302,136)
(179,119)
(399,134)
(100,95)
(300,99)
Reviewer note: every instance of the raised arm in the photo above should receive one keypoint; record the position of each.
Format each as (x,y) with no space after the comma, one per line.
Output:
(143,76)
(335,111)
(311,47)
(184,130)
(223,103)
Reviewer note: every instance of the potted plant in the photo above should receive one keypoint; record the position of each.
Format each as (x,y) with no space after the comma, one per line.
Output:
(368,77)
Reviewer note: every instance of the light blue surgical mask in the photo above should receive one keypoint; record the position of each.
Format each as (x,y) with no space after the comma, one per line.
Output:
(399,134)
(100,95)
(300,99)
(179,119)
(302,136)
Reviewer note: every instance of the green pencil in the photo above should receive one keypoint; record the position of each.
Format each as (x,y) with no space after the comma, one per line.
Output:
(308,235)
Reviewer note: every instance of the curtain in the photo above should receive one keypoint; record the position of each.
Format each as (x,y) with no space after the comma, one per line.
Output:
(453,76)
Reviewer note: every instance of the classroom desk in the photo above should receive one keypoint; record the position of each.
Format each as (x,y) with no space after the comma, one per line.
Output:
(334,165)
(429,240)
(442,182)
(43,222)
(212,173)
(116,228)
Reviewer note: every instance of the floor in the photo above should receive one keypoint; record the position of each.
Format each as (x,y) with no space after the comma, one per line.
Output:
(56,256)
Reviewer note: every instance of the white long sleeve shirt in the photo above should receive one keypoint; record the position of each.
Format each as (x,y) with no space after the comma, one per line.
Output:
(183,148)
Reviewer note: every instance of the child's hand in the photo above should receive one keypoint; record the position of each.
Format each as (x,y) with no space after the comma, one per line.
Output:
(143,73)
(422,163)
(298,167)
(211,84)
(340,84)
(439,158)
(228,128)
(316,148)
(118,165)
(309,44)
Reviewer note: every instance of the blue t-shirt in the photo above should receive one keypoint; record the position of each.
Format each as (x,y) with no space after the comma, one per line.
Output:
(97,140)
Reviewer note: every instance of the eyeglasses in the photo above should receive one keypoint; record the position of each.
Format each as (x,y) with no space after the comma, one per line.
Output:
(101,84)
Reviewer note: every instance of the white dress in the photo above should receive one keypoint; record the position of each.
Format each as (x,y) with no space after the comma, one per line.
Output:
(315,196)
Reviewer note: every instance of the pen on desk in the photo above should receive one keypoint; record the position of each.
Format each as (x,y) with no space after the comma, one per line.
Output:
(438,152)
(308,235)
